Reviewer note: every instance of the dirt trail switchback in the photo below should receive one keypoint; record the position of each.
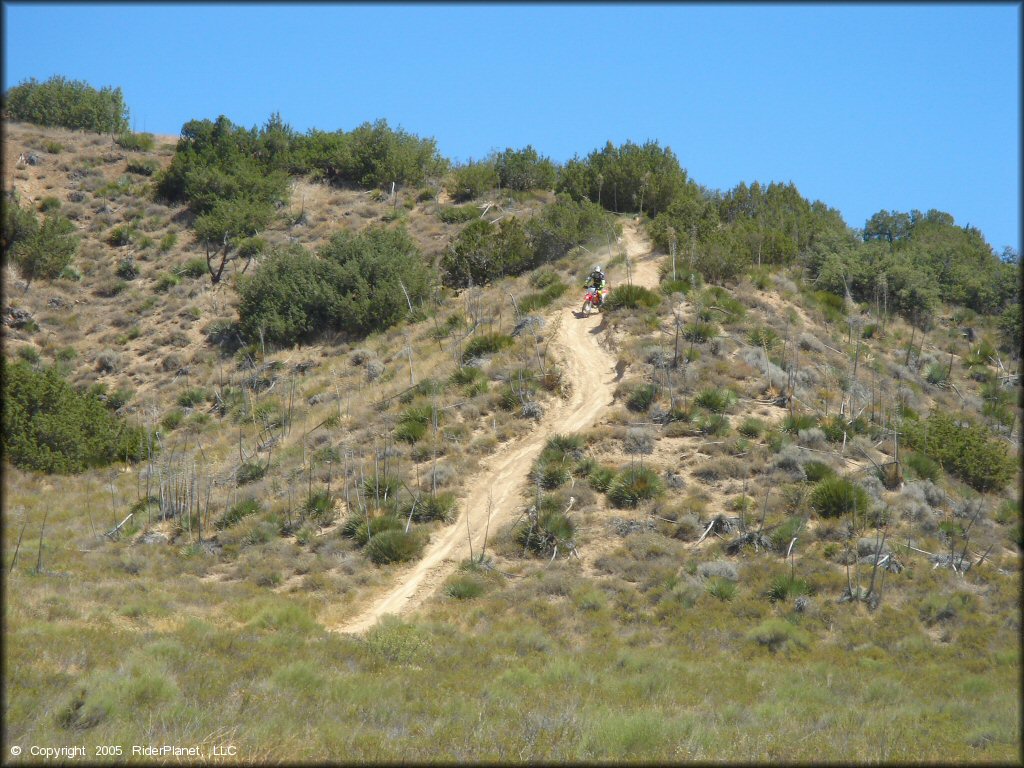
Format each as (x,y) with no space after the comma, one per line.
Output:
(589,368)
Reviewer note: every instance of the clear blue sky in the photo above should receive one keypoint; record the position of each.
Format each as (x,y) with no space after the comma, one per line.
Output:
(864,107)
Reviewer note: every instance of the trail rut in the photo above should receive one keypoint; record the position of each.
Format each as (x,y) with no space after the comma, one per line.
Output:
(590,370)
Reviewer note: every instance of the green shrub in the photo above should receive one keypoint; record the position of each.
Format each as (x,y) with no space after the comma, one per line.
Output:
(715,400)
(135,142)
(486,344)
(764,337)
(631,297)
(551,529)
(634,485)
(356,527)
(319,507)
(172,420)
(815,471)
(143,167)
(471,180)
(249,472)
(48,426)
(38,250)
(833,306)
(68,104)
(48,204)
(782,534)
(751,427)
(722,589)
(464,587)
(29,354)
(168,241)
(359,283)
(550,475)
(534,301)
(440,506)
(127,269)
(523,169)
(970,452)
(777,634)
(165,282)
(382,488)
(936,374)
(600,478)
(714,424)
(793,423)
(193,268)
(923,467)
(837,496)
(699,333)
(468,375)
(243,509)
(394,546)
(53,147)
(483,252)
(458,214)
(641,397)
(193,397)
(784,587)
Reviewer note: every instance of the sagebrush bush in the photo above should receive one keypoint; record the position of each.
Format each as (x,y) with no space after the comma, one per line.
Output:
(838,496)
(634,485)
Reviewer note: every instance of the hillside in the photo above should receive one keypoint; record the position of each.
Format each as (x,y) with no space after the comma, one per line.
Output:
(731,516)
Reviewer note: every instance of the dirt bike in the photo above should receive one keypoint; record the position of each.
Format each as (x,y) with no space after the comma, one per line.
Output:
(593,299)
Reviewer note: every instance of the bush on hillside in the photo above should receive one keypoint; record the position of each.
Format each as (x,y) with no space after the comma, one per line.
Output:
(68,104)
(357,284)
(471,180)
(49,426)
(971,452)
(838,496)
(523,169)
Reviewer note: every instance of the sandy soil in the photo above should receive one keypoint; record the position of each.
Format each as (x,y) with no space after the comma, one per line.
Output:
(590,369)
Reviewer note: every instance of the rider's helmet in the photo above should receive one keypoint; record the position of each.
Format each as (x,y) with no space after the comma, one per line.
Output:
(598,269)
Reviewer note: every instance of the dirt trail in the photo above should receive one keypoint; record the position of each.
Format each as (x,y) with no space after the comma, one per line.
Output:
(590,371)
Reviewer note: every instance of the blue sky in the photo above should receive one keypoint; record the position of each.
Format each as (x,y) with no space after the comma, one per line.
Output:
(864,107)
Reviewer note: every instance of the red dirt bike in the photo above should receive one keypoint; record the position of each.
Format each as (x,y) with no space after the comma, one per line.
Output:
(593,299)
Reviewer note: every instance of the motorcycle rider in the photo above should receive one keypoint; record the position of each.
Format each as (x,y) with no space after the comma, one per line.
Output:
(598,282)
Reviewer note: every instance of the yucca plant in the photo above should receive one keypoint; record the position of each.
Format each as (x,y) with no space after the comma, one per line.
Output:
(837,496)
(395,545)
(634,485)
